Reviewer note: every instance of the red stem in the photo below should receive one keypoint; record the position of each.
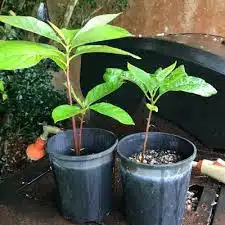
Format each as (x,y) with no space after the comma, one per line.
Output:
(146,134)
(80,133)
(71,102)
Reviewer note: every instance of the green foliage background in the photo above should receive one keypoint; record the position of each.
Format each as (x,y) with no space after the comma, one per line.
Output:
(82,12)
(31,94)
(31,98)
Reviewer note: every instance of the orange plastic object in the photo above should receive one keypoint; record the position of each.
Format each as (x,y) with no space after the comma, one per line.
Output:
(36,151)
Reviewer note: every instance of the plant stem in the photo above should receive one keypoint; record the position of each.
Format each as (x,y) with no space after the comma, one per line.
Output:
(81,128)
(71,102)
(146,134)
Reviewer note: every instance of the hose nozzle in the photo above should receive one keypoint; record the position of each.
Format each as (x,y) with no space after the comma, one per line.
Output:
(36,150)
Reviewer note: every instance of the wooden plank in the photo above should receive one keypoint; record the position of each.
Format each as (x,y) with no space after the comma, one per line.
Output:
(205,206)
(202,216)
(219,218)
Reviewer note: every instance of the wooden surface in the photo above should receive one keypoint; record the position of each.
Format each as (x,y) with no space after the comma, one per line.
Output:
(35,203)
(219,218)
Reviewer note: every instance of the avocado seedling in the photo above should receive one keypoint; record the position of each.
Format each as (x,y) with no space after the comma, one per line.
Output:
(154,86)
(63,112)
(71,43)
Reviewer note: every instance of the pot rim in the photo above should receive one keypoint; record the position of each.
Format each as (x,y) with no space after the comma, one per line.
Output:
(85,157)
(144,165)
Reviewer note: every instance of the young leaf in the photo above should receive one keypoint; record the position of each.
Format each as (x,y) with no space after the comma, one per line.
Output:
(98,21)
(141,78)
(60,61)
(114,112)
(176,75)
(69,35)
(24,54)
(31,24)
(161,74)
(114,75)
(63,112)
(100,33)
(57,30)
(189,84)
(102,49)
(152,107)
(101,91)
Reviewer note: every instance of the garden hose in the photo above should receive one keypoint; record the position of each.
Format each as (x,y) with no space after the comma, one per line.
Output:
(36,150)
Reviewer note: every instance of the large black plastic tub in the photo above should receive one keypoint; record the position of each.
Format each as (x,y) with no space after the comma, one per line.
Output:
(84,183)
(155,195)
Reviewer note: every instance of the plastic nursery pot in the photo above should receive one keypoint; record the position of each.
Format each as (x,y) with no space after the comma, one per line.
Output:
(84,183)
(155,194)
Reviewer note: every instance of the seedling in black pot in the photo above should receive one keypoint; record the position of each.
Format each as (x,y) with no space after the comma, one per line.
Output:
(84,182)
(155,85)
(156,166)
(71,43)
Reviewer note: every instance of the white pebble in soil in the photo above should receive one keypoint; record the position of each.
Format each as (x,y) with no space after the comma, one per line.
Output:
(191,201)
(157,157)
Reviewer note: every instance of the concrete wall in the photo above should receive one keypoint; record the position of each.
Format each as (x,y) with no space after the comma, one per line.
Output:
(150,17)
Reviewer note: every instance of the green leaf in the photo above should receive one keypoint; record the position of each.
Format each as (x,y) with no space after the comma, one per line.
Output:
(178,80)
(161,74)
(100,33)
(114,112)
(114,75)
(152,107)
(190,84)
(69,35)
(31,24)
(60,61)
(98,21)
(2,88)
(57,30)
(24,54)
(178,74)
(141,78)
(101,91)
(63,112)
(102,49)
(141,74)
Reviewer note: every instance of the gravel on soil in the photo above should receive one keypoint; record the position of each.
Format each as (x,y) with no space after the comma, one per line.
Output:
(157,157)
(191,201)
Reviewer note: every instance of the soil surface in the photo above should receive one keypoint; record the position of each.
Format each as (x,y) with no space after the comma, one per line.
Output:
(12,157)
(156,157)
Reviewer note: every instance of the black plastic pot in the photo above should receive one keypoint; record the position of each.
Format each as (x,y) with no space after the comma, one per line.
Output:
(155,195)
(84,183)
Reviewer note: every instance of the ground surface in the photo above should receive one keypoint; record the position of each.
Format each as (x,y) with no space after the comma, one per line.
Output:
(36,204)
(12,157)
(22,203)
